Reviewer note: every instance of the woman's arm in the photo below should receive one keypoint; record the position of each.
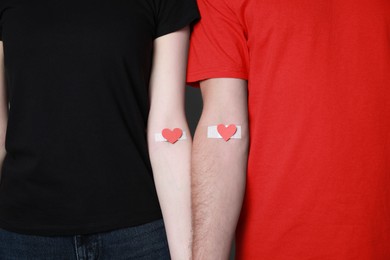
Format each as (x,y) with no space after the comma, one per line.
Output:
(3,108)
(171,162)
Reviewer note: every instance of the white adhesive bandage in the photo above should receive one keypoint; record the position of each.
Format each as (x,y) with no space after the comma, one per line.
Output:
(212,132)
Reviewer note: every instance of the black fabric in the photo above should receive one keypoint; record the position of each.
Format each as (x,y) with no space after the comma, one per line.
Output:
(77,75)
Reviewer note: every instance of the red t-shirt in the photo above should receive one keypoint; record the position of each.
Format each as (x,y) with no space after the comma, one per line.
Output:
(319,107)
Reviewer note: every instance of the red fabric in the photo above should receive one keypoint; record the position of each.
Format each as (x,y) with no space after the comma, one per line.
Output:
(319,107)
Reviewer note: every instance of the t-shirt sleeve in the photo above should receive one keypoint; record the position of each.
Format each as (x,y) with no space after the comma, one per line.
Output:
(2,9)
(173,15)
(1,23)
(218,47)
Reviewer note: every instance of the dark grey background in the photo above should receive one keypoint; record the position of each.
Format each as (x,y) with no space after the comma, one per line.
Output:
(193,111)
(193,107)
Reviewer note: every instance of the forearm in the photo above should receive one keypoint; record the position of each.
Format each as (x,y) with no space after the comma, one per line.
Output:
(218,185)
(171,162)
(219,168)
(3,109)
(3,130)
(2,146)
(171,171)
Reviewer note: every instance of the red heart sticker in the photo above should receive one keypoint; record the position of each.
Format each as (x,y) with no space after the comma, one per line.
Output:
(172,136)
(226,131)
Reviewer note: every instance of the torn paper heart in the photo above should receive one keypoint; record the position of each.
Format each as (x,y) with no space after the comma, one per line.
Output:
(172,136)
(226,131)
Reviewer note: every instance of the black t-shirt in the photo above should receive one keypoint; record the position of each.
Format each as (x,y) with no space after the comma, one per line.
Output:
(77,74)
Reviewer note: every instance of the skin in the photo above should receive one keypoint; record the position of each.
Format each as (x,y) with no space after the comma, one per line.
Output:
(218,169)
(171,162)
(3,107)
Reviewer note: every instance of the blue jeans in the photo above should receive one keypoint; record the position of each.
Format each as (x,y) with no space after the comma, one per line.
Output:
(148,242)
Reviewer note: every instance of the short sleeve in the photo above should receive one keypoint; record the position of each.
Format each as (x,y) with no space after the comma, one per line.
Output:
(2,9)
(1,25)
(173,15)
(218,47)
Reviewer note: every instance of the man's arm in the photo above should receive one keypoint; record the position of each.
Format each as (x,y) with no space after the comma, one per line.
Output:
(171,162)
(3,108)
(219,169)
